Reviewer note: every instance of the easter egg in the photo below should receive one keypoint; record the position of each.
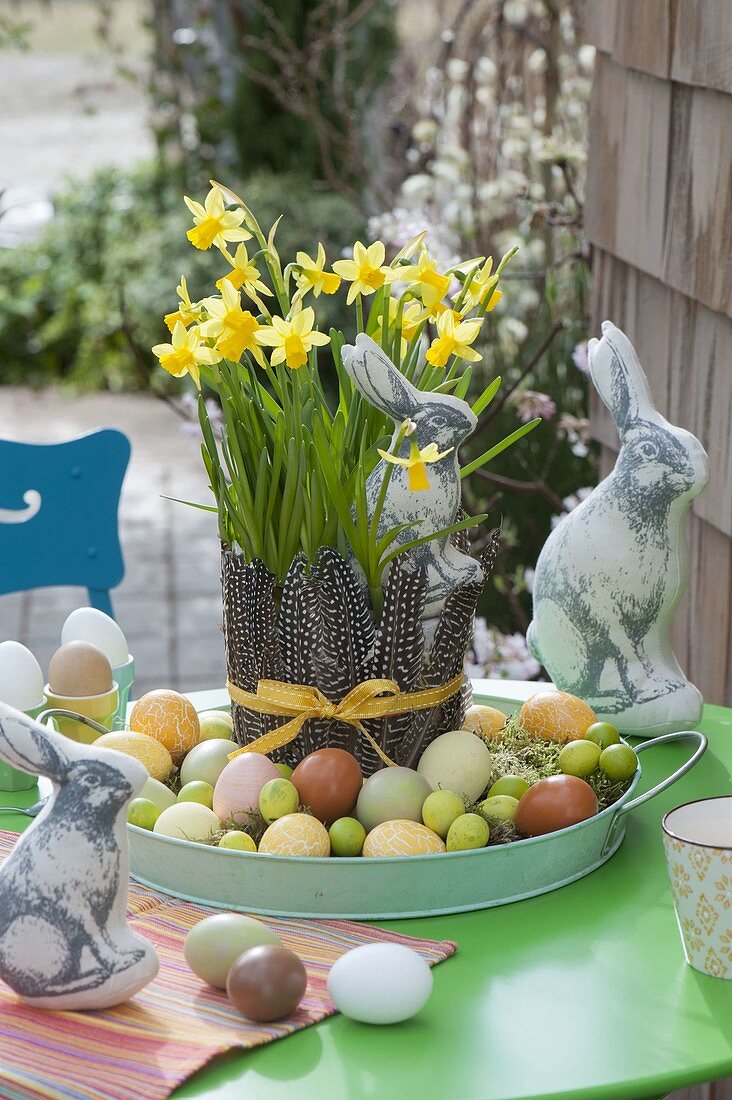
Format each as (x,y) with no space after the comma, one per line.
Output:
(21,679)
(556,716)
(79,669)
(277,798)
(485,721)
(188,821)
(440,809)
(295,835)
(147,750)
(512,785)
(214,944)
(197,792)
(402,838)
(346,837)
(389,794)
(168,717)
(380,983)
(238,841)
(206,761)
(579,757)
(216,725)
(87,624)
(285,770)
(158,793)
(267,983)
(603,734)
(618,762)
(328,782)
(143,813)
(236,794)
(555,803)
(498,808)
(457,761)
(467,832)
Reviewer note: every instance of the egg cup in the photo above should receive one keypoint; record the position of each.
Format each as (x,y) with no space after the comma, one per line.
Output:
(124,677)
(100,708)
(13,779)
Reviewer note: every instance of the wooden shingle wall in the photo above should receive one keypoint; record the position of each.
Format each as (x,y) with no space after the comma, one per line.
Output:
(659,216)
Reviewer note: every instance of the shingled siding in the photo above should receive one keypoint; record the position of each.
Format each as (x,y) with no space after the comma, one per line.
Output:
(659,216)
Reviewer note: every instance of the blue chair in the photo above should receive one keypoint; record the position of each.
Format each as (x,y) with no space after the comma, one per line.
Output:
(58,514)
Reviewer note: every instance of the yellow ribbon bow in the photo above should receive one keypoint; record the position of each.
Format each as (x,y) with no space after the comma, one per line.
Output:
(378,698)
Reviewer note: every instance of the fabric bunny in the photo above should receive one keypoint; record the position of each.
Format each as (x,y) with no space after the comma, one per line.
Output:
(440,419)
(612,572)
(64,940)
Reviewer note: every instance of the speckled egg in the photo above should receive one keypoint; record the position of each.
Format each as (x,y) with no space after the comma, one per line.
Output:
(402,838)
(168,717)
(296,835)
(236,794)
(147,750)
(457,761)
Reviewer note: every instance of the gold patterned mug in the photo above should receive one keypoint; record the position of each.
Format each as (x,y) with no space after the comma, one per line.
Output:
(698,841)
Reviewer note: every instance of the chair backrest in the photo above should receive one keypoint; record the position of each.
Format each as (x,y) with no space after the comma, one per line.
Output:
(58,514)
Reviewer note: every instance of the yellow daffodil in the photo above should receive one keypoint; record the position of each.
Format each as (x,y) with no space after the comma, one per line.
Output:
(312,275)
(454,337)
(417,462)
(187,311)
(244,274)
(412,317)
(186,353)
(234,329)
(293,339)
(366,272)
(481,289)
(213,223)
(432,284)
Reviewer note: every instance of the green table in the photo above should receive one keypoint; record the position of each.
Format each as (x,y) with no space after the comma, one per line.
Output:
(581,994)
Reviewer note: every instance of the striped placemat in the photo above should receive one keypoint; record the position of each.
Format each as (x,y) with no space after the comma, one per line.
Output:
(143,1049)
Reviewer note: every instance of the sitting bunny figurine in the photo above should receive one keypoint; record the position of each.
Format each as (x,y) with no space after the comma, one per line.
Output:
(440,419)
(612,572)
(64,940)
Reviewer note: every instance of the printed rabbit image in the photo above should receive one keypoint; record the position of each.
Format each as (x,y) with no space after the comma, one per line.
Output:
(440,419)
(64,940)
(612,572)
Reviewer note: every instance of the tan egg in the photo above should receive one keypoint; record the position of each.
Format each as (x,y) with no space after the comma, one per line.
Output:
(553,715)
(147,750)
(168,717)
(295,835)
(79,669)
(486,721)
(402,838)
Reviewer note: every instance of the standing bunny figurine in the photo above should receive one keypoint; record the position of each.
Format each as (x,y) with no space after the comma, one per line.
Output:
(440,419)
(64,940)
(612,572)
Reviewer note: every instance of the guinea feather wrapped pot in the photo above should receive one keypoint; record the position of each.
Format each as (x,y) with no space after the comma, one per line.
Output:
(319,633)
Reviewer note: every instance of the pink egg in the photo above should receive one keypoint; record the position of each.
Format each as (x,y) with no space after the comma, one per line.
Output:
(236,793)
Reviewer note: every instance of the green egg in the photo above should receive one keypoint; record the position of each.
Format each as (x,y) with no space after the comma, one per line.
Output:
(143,812)
(467,831)
(498,808)
(440,810)
(579,758)
(512,785)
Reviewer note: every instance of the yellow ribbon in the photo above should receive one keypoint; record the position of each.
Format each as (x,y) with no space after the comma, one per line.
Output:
(300,702)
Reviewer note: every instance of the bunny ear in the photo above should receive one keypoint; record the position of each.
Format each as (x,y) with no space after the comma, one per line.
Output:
(619,378)
(374,374)
(33,748)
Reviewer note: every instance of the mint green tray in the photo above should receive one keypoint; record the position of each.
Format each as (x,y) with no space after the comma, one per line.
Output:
(387,889)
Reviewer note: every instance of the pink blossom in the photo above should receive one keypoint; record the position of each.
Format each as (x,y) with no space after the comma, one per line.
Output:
(530,404)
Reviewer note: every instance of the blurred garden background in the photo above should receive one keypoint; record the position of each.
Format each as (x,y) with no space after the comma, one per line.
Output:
(356,119)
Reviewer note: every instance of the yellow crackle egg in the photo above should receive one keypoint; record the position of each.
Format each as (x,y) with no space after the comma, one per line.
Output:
(168,717)
(296,835)
(486,721)
(402,838)
(147,750)
(556,716)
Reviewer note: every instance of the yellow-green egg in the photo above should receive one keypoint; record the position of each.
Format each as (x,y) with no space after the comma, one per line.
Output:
(466,832)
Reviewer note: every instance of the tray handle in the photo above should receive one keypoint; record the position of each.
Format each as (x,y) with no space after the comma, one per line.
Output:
(55,712)
(699,751)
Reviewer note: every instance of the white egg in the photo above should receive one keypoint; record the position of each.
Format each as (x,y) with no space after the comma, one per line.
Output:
(380,983)
(21,679)
(188,821)
(87,624)
(457,761)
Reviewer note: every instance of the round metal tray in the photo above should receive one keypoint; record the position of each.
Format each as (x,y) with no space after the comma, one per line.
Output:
(390,888)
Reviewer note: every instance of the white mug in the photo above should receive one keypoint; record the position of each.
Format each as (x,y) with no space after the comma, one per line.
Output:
(697,838)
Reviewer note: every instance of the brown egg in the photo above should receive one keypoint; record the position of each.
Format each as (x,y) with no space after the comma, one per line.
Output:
(555,803)
(266,983)
(79,669)
(328,781)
